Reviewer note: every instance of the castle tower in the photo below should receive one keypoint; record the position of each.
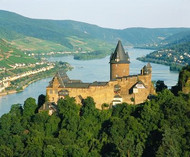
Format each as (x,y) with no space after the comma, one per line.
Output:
(119,62)
(149,67)
(146,70)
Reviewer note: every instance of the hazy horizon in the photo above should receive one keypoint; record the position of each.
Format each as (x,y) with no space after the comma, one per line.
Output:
(118,14)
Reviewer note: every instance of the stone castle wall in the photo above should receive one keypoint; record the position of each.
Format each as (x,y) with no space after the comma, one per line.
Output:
(105,94)
(100,94)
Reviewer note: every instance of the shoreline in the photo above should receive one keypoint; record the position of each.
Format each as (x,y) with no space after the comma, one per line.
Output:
(173,66)
(23,88)
(7,93)
(35,78)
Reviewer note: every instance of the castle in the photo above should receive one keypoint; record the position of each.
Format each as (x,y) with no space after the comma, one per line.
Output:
(122,87)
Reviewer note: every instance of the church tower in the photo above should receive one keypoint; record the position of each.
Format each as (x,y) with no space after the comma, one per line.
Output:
(119,62)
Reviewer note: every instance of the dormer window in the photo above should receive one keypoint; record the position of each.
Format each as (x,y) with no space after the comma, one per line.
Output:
(117,59)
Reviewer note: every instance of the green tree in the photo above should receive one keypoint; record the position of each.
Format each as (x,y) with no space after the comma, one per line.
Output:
(5,151)
(105,106)
(69,113)
(52,125)
(16,110)
(170,144)
(30,107)
(16,144)
(160,86)
(53,151)
(41,100)
(88,108)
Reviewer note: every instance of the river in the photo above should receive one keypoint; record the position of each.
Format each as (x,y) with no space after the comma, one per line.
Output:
(89,71)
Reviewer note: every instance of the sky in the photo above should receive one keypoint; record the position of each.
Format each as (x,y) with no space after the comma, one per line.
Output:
(117,14)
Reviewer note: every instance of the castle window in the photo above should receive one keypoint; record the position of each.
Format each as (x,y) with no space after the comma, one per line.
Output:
(50,91)
(117,59)
(63,92)
(117,88)
(135,90)
(56,92)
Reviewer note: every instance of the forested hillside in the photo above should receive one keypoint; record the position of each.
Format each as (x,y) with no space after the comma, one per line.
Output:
(73,35)
(50,33)
(159,127)
(177,39)
(176,56)
(184,80)
(173,51)
(156,128)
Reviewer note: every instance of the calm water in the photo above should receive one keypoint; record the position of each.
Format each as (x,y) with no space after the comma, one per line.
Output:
(89,71)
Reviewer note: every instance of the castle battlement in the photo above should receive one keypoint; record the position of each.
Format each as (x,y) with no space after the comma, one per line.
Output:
(122,87)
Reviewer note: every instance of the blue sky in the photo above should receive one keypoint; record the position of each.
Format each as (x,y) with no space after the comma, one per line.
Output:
(107,13)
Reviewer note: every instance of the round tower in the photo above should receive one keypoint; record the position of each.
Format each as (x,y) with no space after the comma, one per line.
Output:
(119,62)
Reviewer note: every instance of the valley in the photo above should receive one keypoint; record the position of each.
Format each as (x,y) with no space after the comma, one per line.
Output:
(26,43)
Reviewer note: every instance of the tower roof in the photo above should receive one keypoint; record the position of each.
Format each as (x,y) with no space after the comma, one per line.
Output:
(119,55)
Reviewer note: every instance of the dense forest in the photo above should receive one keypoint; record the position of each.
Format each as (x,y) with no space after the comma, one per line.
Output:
(159,127)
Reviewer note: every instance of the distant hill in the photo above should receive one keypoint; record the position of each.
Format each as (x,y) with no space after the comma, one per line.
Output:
(176,39)
(63,33)
(73,35)
(175,53)
(149,36)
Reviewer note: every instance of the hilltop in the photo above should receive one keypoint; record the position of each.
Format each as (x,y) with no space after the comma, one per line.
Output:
(67,35)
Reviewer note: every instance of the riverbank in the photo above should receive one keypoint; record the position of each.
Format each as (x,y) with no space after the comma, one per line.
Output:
(21,90)
(91,55)
(7,93)
(20,84)
(15,91)
(173,66)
